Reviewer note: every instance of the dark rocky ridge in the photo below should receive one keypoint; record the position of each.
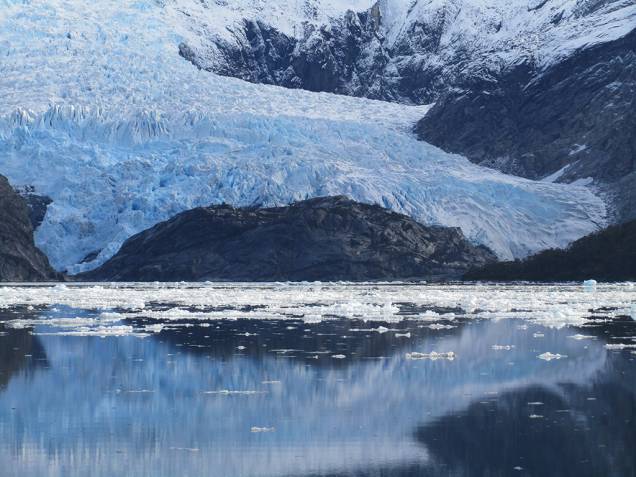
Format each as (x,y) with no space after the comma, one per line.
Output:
(332,238)
(608,255)
(20,259)
(580,113)
(348,56)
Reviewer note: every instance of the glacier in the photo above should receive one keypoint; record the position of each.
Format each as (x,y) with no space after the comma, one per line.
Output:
(99,112)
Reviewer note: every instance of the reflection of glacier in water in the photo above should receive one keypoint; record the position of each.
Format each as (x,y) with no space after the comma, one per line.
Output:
(187,399)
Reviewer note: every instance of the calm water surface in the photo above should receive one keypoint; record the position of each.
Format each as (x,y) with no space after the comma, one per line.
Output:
(140,387)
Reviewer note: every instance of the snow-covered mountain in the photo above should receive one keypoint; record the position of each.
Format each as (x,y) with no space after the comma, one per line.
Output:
(537,88)
(408,51)
(101,113)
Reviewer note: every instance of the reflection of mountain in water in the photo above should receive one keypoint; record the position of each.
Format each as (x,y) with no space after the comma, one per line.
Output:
(130,406)
(19,351)
(582,432)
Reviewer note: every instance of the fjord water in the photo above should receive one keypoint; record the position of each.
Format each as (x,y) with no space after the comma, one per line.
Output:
(317,379)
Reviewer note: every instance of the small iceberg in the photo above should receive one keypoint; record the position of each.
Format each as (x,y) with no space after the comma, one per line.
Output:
(434,355)
(262,429)
(502,347)
(580,337)
(619,346)
(589,285)
(547,356)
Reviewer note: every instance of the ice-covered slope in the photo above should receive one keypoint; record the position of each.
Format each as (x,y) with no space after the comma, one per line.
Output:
(100,113)
(506,32)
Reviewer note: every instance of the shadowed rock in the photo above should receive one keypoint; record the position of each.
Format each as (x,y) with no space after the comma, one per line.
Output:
(20,259)
(331,238)
(609,255)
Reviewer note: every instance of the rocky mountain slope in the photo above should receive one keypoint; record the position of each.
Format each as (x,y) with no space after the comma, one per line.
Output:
(20,260)
(395,50)
(571,121)
(609,255)
(330,238)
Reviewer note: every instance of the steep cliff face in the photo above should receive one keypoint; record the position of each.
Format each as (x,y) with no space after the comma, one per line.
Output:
(329,238)
(20,260)
(346,56)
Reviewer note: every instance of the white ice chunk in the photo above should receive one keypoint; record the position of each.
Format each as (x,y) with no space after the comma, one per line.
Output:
(589,285)
(434,355)
(262,429)
(547,356)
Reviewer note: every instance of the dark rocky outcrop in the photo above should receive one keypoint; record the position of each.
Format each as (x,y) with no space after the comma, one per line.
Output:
(345,57)
(350,56)
(20,259)
(580,113)
(608,255)
(330,238)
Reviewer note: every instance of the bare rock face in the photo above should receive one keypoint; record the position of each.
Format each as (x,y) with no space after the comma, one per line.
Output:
(332,238)
(20,259)
(576,119)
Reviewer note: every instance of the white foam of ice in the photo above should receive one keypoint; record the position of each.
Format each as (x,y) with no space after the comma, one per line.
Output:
(185,305)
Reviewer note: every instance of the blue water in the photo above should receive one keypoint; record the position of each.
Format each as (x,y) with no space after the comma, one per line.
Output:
(268,398)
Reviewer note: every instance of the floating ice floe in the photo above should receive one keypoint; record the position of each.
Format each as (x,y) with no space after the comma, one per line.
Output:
(149,308)
(439,326)
(619,346)
(262,429)
(309,319)
(434,355)
(581,337)
(547,356)
(228,392)
(100,331)
(503,347)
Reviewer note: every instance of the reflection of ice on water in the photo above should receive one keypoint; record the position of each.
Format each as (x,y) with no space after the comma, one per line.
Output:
(336,418)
